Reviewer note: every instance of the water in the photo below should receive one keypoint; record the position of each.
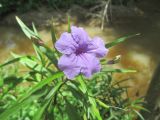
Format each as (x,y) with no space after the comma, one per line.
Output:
(11,39)
(141,52)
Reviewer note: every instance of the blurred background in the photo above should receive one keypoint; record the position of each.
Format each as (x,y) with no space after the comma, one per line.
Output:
(109,19)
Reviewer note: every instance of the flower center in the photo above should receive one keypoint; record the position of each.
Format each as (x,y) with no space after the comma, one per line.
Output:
(81,49)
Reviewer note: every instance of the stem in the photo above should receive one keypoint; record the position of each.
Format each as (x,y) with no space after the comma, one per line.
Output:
(56,94)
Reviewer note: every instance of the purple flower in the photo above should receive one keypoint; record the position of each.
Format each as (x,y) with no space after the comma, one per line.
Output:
(80,53)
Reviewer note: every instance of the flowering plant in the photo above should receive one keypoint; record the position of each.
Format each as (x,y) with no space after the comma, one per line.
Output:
(80,53)
(59,86)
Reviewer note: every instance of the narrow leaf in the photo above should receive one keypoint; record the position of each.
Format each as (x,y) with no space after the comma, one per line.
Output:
(53,35)
(102,104)
(29,33)
(122,39)
(50,54)
(10,62)
(35,30)
(38,53)
(69,25)
(18,58)
(94,109)
(140,116)
(41,84)
(17,106)
(39,114)
(82,86)
(54,90)
(118,70)
(72,112)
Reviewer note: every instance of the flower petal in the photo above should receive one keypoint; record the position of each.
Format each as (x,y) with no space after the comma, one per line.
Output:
(97,47)
(68,64)
(79,35)
(89,64)
(66,44)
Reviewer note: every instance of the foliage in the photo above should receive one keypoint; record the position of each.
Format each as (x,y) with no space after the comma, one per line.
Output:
(7,6)
(40,91)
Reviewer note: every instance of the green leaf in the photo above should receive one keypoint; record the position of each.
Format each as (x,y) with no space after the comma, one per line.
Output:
(141,108)
(17,106)
(51,55)
(35,30)
(69,25)
(1,79)
(72,112)
(140,116)
(38,53)
(29,33)
(102,104)
(30,62)
(53,35)
(39,114)
(118,70)
(10,62)
(94,109)
(82,85)
(13,80)
(76,92)
(13,60)
(41,84)
(54,90)
(122,39)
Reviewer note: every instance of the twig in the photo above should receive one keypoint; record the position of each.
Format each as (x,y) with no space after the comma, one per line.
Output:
(105,14)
